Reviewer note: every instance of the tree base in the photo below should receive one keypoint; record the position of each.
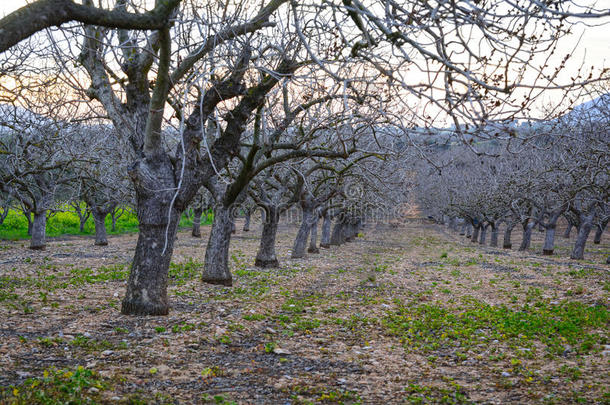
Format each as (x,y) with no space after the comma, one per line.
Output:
(324,246)
(266,263)
(245,230)
(141,308)
(597,242)
(38,247)
(217,281)
(104,243)
(313,250)
(507,246)
(547,252)
(196,235)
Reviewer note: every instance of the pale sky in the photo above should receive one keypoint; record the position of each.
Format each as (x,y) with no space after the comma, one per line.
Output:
(593,49)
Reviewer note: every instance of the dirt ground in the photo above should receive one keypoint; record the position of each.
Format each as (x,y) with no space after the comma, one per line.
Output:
(408,314)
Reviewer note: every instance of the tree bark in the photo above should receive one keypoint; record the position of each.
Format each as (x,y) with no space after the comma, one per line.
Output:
(247,216)
(265,256)
(527,235)
(494,235)
(313,240)
(326,224)
(216,265)
(99,219)
(39,226)
(196,231)
(483,237)
(475,234)
(337,238)
(566,234)
(586,223)
(549,239)
(506,244)
(599,231)
(468,230)
(298,249)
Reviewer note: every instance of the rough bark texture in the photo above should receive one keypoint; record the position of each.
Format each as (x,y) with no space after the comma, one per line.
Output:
(246,227)
(493,242)
(599,231)
(549,239)
(506,244)
(216,267)
(39,225)
(326,225)
(313,239)
(266,252)
(99,219)
(586,223)
(298,249)
(197,212)
(483,236)
(337,237)
(566,234)
(468,231)
(527,235)
(475,234)
(147,286)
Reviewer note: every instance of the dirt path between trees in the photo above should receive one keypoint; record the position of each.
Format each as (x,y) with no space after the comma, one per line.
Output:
(411,314)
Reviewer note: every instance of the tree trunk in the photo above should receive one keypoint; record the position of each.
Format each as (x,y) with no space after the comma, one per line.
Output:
(28,216)
(586,223)
(483,237)
(494,235)
(566,234)
(233,228)
(506,244)
(298,249)
(527,235)
(337,237)
(266,251)
(39,226)
(197,212)
(469,230)
(99,219)
(599,231)
(475,233)
(463,229)
(326,224)
(147,285)
(549,240)
(246,228)
(216,265)
(313,240)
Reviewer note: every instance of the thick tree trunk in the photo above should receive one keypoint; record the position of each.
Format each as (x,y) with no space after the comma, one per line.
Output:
(39,231)
(469,230)
(549,240)
(313,239)
(586,223)
(506,243)
(298,249)
(463,229)
(527,235)
(494,235)
(28,216)
(566,234)
(599,231)
(197,212)
(99,219)
(475,233)
(216,265)
(246,227)
(337,237)
(266,252)
(483,237)
(326,224)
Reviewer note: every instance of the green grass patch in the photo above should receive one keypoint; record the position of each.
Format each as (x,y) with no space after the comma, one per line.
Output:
(429,327)
(57,387)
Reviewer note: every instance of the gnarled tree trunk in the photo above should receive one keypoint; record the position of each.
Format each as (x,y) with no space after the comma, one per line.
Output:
(313,239)
(248,215)
(506,243)
(99,219)
(527,235)
(483,236)
(197,213)
(39,225)
(326,225)
(599,231)
(586,223)
(337,237)
(298,249)
(266,252)
(493,242)
(216,264)
(475,233)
